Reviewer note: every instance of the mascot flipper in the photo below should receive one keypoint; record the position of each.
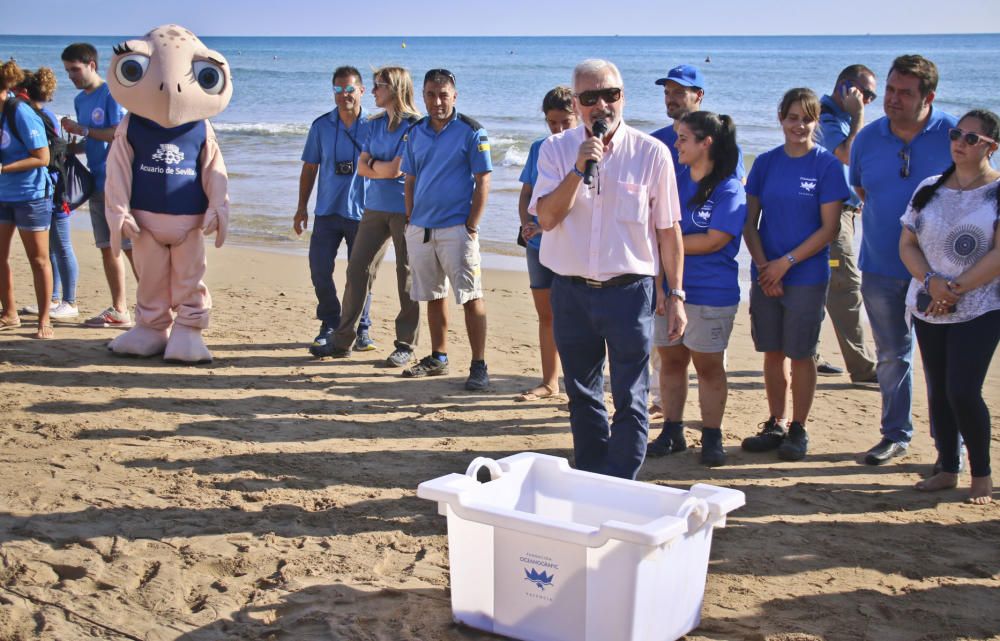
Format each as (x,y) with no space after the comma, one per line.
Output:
(167,185)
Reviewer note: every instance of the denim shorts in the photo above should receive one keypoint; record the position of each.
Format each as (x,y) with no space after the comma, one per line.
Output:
(539,276)
(789,323)
(30,215)
(708,328)
(102,233)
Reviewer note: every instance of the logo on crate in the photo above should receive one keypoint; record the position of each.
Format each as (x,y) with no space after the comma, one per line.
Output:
(540,579)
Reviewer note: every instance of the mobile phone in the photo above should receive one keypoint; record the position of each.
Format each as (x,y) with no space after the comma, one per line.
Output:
(924,302)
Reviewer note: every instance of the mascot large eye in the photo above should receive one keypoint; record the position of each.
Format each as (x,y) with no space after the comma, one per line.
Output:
(131,68)
(210,77)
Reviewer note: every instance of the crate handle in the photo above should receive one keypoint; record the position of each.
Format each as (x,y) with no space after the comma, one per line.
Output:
(696,512)
(481,462)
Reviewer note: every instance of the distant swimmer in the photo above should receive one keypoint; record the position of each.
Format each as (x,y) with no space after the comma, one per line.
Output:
(708,58)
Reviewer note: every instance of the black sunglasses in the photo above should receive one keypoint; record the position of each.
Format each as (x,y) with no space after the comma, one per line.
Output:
(904,171)
(437,73)
(969,137)
(590,98)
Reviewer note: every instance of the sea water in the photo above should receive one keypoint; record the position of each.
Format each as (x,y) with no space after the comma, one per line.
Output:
(282,84)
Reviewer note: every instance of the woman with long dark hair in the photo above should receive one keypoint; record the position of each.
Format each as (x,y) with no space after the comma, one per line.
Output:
(712,221)
(25,201)
(794,195)
(949,245)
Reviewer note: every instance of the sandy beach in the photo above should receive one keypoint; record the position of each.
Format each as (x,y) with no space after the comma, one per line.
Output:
(272,496)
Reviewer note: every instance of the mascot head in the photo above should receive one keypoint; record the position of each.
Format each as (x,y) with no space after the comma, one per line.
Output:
(170,77)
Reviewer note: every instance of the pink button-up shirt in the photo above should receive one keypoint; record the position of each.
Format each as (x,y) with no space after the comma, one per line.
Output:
(613,232)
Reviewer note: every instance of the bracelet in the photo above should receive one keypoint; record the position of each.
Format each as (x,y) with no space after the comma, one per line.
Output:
(578,172)
(927,280)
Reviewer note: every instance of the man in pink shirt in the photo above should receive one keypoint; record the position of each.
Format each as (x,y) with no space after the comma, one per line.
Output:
(606,241)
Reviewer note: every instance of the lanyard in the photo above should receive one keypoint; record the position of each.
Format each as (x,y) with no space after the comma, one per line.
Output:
(336,136)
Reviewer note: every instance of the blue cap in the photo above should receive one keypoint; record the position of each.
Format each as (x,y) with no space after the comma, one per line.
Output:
(684,75)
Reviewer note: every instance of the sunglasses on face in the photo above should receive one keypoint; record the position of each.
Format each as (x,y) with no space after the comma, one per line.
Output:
(969,137)
(435,73)
(590,98)
(337,89)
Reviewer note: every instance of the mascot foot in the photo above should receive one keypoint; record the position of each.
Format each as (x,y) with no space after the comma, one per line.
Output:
(140,341)
(186,346)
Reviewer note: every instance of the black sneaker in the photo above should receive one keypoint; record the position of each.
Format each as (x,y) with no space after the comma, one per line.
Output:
(669,441)
(884,451)
(329,350)
(794,447)
(428,366)
(479,378)
(769,437)
(824,368)
(712,452)
(400,357)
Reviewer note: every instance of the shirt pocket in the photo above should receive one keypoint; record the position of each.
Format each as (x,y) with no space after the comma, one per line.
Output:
(632,204)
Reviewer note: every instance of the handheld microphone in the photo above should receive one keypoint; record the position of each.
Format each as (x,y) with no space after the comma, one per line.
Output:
(599,128)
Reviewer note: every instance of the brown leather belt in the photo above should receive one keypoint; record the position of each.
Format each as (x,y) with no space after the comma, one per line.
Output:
(617,281)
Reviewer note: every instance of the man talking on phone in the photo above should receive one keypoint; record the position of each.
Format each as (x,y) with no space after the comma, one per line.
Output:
(607,199)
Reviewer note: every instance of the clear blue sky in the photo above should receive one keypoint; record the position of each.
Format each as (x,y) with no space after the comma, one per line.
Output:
(501,17)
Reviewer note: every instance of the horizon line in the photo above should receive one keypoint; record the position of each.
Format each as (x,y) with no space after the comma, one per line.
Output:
(573,35)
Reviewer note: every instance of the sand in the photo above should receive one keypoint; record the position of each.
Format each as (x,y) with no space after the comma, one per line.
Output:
(271,496)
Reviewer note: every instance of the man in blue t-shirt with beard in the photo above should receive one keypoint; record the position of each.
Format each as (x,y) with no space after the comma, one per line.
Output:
(97,117)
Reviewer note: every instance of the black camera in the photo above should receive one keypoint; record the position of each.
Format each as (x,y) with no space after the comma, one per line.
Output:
(345,167)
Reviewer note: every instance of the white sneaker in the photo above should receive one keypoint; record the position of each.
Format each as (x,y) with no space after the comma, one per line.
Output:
(64,310)
(29,310)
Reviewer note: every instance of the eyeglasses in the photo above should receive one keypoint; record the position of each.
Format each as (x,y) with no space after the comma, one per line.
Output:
(590,98)
(437,73)
(969,137)
(337,89)
(904,171)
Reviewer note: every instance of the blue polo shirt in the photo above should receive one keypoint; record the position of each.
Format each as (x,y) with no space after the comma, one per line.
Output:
(23,186)
(668,137)
(97,110)
(529,176)
(329,142)
(791,191)
(713,279)
(385,194)
(834,127)
(875,166)
(445,164)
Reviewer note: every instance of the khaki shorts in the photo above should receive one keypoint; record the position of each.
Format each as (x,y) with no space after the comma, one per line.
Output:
(708,329)
(450,254)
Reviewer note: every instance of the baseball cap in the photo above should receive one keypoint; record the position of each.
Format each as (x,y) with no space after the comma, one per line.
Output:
(685,75)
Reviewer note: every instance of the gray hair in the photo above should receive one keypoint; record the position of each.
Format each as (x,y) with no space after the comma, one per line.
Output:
(595,67)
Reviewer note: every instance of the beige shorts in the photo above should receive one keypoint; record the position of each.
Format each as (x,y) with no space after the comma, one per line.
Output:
(708,329)
(450,254)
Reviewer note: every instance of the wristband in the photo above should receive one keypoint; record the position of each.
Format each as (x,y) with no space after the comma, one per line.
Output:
(86,132)
(927,280)
(578,172)
(790,259)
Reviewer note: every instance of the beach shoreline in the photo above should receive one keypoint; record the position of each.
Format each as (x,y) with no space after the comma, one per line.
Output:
(272,496)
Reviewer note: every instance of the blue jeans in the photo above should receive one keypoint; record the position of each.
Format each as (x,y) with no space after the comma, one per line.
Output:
(327,234)
(65,269)
(588,323)
(885,301)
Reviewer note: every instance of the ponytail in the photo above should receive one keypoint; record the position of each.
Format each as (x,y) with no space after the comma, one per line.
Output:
(927,192)
(724,153)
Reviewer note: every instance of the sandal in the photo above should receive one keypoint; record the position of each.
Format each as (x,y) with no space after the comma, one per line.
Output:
(536,394)
(45,332)
(6,324)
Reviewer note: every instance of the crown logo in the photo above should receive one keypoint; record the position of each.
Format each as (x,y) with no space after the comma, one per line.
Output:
(541,580)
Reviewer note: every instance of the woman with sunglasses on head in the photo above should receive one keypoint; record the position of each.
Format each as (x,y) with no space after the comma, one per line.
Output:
(949,245)
(384,218)
(713,214)
(795,194)
(25,200)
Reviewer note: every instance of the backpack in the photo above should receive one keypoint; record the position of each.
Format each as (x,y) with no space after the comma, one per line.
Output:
(73,182)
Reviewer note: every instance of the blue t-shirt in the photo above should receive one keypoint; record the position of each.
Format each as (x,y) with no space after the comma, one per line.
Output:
(97,110)
(529,176)
(834,127)
(445,164)
(329,142)
(668,137)
(791,191)
(23,186)
(713,279)
(877,157)
(385,194)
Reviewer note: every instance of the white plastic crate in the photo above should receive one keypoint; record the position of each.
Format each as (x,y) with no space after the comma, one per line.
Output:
(546,553)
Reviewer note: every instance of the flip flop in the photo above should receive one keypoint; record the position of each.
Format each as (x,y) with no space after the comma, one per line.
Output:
(530,395)
(7,324)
